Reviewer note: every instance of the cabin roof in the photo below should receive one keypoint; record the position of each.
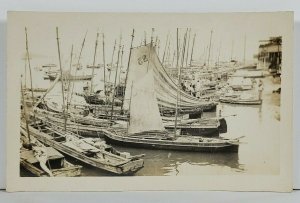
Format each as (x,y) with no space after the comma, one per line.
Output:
(29,157)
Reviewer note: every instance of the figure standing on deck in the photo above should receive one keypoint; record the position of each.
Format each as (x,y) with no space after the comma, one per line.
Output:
(40,154)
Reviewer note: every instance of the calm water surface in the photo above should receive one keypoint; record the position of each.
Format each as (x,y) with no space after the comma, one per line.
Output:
(258,154)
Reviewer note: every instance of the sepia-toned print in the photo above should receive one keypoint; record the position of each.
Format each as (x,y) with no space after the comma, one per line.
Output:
(117,95)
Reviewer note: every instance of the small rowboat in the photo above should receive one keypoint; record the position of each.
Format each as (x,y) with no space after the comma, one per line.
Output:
(56,162)
(93,152)
(71,77)
(241,99)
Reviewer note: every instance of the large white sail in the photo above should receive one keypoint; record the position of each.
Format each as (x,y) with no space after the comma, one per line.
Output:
(143,59)
(144,112)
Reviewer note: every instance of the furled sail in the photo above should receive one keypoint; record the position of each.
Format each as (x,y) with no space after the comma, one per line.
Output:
(144,112)
(143,59)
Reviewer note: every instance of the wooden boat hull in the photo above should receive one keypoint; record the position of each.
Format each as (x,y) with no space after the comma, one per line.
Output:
(59,166)
(169,145)
(81,121)
(82,130)
(71,171)
(206,132)
(249,67)
(80,77)
(241,88)
(93,99)
(209,107)
(127,168)
(242,102)
(204,129)
(254,76)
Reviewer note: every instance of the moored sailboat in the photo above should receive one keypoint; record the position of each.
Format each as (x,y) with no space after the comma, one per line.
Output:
(146,128)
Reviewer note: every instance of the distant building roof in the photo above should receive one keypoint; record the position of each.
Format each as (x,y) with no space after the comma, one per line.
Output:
(271,41)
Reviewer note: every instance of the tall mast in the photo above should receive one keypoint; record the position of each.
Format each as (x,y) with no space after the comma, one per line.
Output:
(152,33)
(122,52)
(174,54)
(232,46)
(179,82)
(112,60)
(69,82)
(150,47)
(77,64)
(182,62)
(62,82)
(203,56)
(128,123)
(29,65)
(163,60)
(25,111)
(184,48)
(156,43)
(168,52)
(114,87)
(180,49)
(211,32)
(158,47)
(192,50)
(145,38)
(245,49)
(94,61)
(188,47)
(25,78)
(179,74)
(104,67)
(219,54)
(127,70)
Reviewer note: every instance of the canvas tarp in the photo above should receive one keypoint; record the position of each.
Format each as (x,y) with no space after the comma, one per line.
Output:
(144,59)
(144,112)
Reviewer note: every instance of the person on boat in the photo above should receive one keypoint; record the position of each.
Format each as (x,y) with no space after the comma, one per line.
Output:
(86,111)
(96,142)
(260,89)
(41,155)
(183,86)
(86,89)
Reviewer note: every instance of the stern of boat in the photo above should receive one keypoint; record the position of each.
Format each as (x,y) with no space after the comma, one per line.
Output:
(69,171)
(132,167)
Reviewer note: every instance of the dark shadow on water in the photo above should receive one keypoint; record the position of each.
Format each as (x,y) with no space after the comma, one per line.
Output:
(161,162)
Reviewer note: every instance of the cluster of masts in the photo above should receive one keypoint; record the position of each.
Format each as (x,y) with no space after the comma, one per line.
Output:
(66,85)
(150,131)
(183,56)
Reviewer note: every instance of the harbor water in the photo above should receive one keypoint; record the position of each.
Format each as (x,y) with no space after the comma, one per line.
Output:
(258,152)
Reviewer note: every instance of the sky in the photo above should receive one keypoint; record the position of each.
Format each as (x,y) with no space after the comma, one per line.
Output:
(229,31)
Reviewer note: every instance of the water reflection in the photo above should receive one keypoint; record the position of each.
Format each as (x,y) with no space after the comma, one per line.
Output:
(259,153)
(163,162)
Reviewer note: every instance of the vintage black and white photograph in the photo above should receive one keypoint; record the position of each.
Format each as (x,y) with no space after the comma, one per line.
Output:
(110,95)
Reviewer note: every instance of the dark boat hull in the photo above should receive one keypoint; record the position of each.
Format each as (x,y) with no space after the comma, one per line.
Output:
(241,102)
(210,107)
(128,168)
(151,144)
(83,77)
(205,132)
(202,131)
(223,126)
